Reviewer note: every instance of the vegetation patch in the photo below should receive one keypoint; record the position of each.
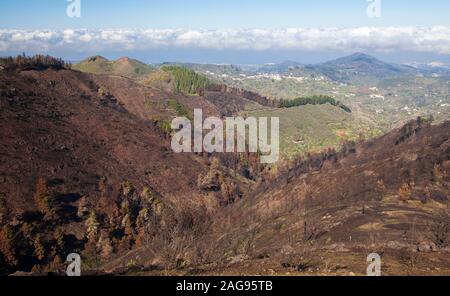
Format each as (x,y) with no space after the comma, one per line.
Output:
(187,81)
(180,109)
(313,100)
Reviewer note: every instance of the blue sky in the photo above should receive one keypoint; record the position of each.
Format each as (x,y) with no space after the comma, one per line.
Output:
(205,33)
(216,14)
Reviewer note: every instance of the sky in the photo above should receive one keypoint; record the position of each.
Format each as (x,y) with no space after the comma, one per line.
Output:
(228,31)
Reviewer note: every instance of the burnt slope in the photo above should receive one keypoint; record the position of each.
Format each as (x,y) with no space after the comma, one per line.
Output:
(56,125)
(326,213)
(86,168)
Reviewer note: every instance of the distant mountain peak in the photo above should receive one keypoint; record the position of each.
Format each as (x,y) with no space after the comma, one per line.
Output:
(359,57)
(360,68)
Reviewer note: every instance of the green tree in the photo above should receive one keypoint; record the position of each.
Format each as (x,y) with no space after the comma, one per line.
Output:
(187,81)
(312,100)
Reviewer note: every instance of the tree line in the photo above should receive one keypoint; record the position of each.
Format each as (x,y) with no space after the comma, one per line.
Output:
(312,100)
(36,62)
(187,81)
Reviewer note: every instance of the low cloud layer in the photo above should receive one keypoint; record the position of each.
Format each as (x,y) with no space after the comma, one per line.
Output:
(379,39)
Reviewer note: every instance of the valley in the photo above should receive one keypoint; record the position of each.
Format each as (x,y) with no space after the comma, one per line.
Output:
(87,167)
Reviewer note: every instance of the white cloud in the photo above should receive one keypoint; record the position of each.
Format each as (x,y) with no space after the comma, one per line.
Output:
(381,39)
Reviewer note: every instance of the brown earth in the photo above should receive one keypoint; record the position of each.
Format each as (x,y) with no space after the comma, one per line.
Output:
(85,167)
(90,139)
(55,124)
(325,214)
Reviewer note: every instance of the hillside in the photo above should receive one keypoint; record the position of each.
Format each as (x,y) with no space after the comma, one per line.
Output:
(389,97)
(125,67)
(310,129)
(330,126)
(85,164)
(383,95)
(284,67)
(171,81)
(360,68)
(87,167)
(324,214)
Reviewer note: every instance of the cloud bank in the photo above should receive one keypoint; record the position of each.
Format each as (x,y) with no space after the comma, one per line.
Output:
(379,39)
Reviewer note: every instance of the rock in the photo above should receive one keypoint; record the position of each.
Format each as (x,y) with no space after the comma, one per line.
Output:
(395,245)
(338,247)
(287,249)
(339,267)
(327,216)
(22,273)
(426,247)
(238,259)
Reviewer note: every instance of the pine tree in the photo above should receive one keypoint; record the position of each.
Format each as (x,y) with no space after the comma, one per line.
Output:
(4,211)
(57,265)
(59,241)
(128,188)
(147,196)
(92,226)
(125,208)
(105,246)
(39,249)
(404,192)
(7,245)
(145,227)
(143,218)
(127,225)
(83,208)
(43,200)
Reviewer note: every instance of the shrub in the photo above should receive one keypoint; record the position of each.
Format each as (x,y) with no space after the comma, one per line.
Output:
(164,126)
(181,234)
(412,128)
(404,192)
(440,230)
(180,109)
